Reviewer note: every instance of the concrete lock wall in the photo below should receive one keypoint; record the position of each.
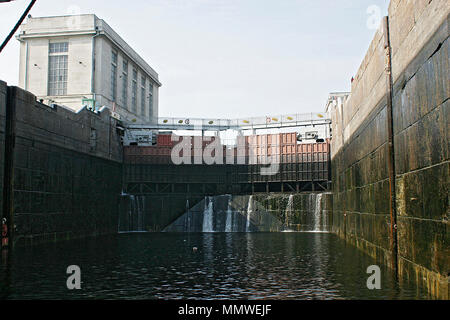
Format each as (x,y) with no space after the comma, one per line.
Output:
(3,95)
(65,171)
(419,33)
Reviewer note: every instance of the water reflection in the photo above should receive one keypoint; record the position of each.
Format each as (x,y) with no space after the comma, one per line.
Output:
(225,266)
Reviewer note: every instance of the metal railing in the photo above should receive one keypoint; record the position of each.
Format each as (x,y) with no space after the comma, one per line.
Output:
(267,122)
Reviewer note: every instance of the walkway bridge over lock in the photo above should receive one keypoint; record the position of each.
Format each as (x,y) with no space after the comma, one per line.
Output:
(241,124)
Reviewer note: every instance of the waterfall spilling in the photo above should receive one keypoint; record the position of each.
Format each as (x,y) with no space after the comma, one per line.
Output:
(137,212)
(249,213)
(228,222)
(288,212)
(188,215)
(318,213)
(208,215)
(131,219)
(225,213)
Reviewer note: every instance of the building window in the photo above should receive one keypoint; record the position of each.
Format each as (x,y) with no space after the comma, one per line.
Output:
(113,75)
(57,68)
(150,99)
(143,98)
(58,47)
(134,92)
(125,84)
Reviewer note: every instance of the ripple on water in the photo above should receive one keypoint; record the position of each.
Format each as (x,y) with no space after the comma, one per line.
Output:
(288,265)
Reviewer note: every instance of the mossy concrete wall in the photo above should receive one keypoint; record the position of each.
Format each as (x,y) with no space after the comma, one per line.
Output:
(421,132)
(419,33)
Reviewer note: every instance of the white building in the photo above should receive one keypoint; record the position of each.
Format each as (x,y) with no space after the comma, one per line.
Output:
(79,60)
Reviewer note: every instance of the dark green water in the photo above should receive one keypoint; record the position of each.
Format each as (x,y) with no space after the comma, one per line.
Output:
(225,266)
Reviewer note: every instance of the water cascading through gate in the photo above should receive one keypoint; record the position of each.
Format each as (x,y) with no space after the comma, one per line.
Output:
(132,215)
(240,213)
(318,213)
(208,215)
(249,213)
(229,222)
(288,212)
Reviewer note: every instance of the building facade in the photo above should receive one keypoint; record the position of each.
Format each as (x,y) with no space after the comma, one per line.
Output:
(79,61)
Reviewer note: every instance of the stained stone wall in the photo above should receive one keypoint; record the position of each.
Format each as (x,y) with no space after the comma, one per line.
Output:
(419,33)
(421,139)
(3,96)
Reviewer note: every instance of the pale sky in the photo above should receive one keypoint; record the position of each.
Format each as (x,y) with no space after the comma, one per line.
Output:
(229,58)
